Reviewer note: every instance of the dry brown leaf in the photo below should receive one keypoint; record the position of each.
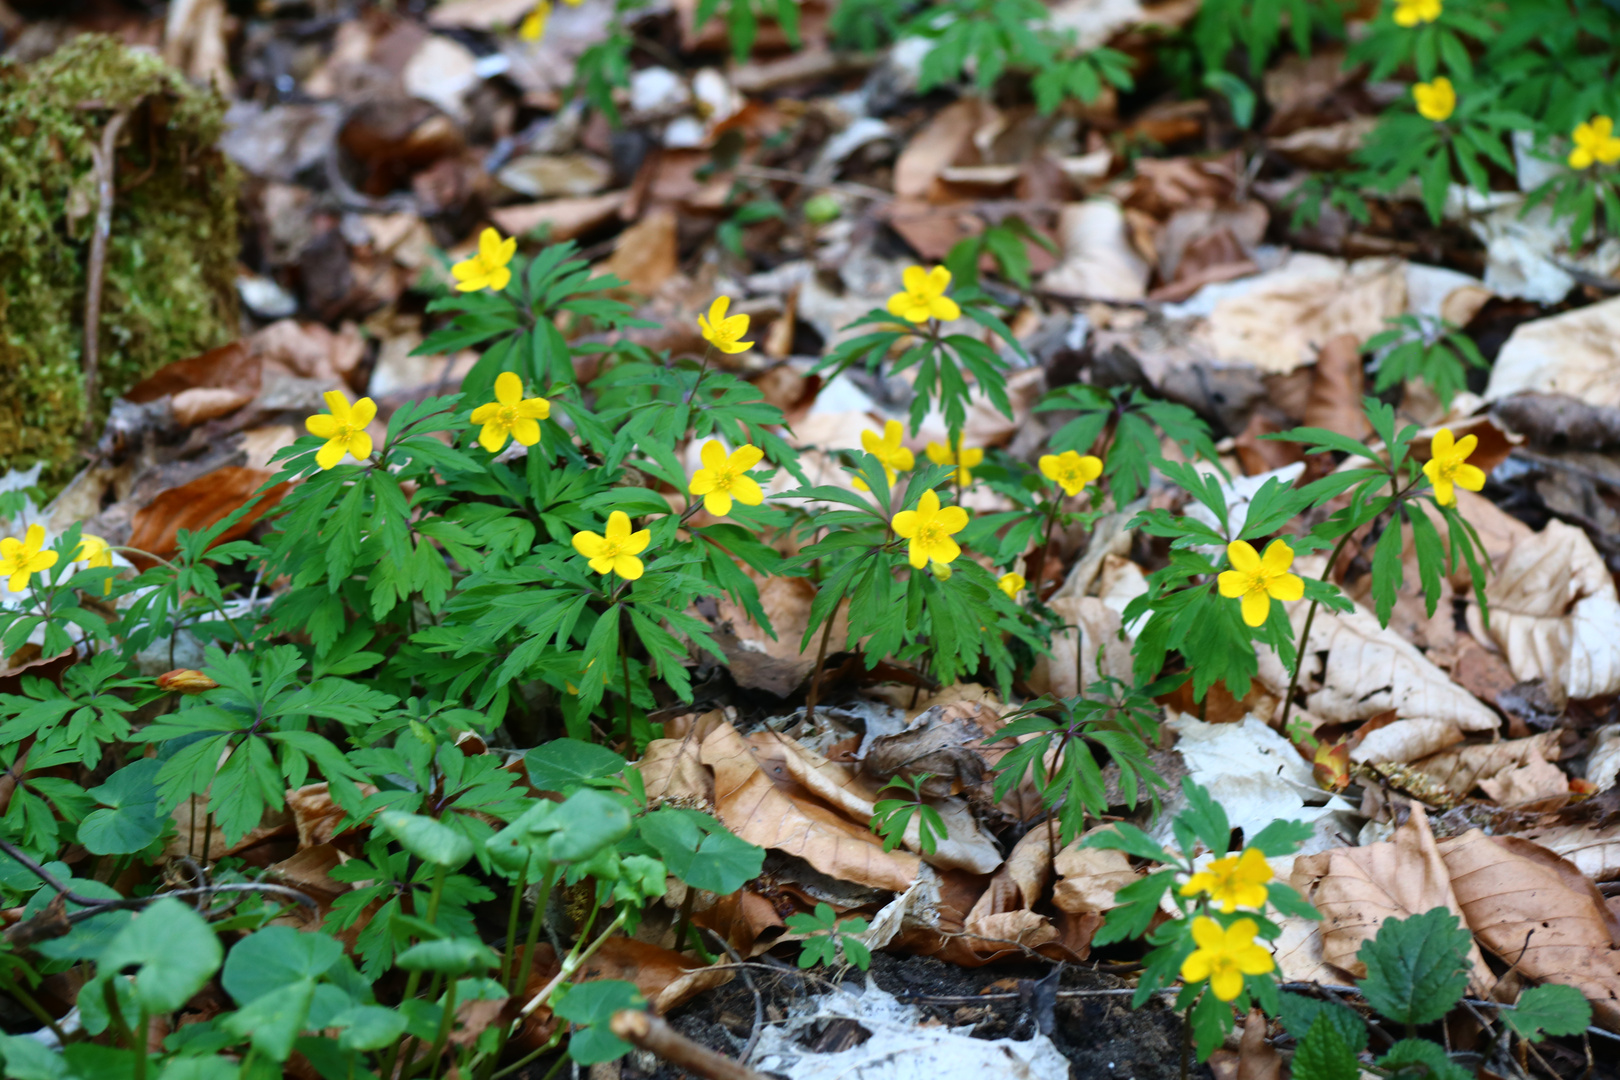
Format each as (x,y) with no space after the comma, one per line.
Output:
(645,255)
(1279,320)
(1098,261)
(1257,1058)
(937,146)
(567,218)
(198,505)
(1089,624)
(759,661)
(665,978)
(1537,912)
(1370,670)
(229,367)
(480,14)
(315,814)
(310,350)
(1336,391)
(1325,147)
(1021,882)
(770,809)
(1576,353)
(1089,877)
(1538,781)
(1356,889)
(1594,850)
(1555,612)
(943,746)
(1458,770)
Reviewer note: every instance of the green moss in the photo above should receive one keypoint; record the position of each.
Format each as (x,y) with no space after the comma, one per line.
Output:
(169,287)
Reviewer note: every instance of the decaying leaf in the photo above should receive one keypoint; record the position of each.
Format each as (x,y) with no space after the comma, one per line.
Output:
(199,504)
(1576,353)
(1089,877)
(757,801)
(1555,612)
(1537,912)
(1357,888)
(759,661)
(1099,261)
(1090,626)
(1462,768)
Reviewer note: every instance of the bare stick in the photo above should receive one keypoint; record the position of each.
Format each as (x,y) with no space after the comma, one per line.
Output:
(652,1034)
(106,163)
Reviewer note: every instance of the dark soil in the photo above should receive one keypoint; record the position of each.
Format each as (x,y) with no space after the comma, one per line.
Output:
(1101,1035)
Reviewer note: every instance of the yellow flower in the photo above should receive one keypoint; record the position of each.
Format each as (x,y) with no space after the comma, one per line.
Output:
(894,458)
(929,529)
(510,414)
(533,27)
(1233,882)
(616,552)
(1594,142)
(1011,584)
(21,559)
(1225,956)
(723,332)
(925,297)
(1435,100)
(1070,470)
(96,555)
(965,458)
(721,479)
(1409,13)
(487,269)
(1448,466)
(1258,580)
(344,430)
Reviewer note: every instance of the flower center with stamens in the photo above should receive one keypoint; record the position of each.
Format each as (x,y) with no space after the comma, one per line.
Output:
(509,415)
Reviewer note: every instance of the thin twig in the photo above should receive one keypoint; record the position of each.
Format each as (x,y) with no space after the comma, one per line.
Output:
(106,165)
(759,999)
(860,191)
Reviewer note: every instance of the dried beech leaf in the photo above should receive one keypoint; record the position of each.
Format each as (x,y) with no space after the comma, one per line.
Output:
(1458,770)
(773,811)
(1556,614)
(199,504)
(1357,888)
(665,978)
(1593,850)
(1370,670)
(1089,877)
(1537,912)
(1576,353)
(1089,624)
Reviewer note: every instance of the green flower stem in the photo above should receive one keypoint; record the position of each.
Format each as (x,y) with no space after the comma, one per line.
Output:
(533,938)
(574,960)
(143,1034)
(37,1011)
(413,981)
(446,1020)
(109,996)
(512,920)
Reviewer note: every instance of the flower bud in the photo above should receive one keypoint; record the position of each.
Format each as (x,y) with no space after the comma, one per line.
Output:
(185,681)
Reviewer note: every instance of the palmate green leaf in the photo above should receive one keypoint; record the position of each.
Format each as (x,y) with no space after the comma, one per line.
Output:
(1417,967)
(1280,838)
(453,957)
(431,841)
(1129,839)
(700,851)
(1137,907)
(272,959)
(1550,1009)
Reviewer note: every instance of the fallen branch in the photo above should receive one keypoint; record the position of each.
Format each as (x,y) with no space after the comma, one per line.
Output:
(652,1034)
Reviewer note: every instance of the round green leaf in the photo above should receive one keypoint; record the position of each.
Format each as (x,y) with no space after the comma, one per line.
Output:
(275,958)
(130,819)
(174,949)
(565,764)
(583,824)
(429,840)
(451,956)
(370,1027)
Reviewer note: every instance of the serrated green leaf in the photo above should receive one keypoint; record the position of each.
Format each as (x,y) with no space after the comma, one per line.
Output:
(1417,967)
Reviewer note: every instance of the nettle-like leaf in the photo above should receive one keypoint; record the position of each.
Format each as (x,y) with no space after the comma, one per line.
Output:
(1552,1009)
(1325,1053)
(1417,967)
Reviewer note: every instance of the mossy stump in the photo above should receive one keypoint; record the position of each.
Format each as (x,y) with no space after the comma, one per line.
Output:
(169,285)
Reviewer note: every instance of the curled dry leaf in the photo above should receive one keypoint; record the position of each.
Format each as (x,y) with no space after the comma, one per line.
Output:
(1576,353)
(1555,612)
(1461,768)
(1336,391)
(230,367)
(1537,912)
(1277,320)
(1099,261)
(1357,888)
(756,659)
(665,978)
(1089,625)
(942,744)
(199,504)
(765,805)
(1592,848)
(1370,670)
(1089,877)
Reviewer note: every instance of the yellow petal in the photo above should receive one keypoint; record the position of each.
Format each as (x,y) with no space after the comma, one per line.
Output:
(915,280)
(972,456)
(1226,984)
(534,409)
(747,491)
(636,542)
(901,305)
(713,455)
(1243,557)
(1256,606)
(363,412)
(526,431)
(1254,960)
(1464,446)
(618,527)
(1287,588)
(499,278)
(489,247)
(905,524)
(939,279)
(485,413)
(717,311)
(717,503)
(1195,967)
(1050,466)
(944,309)
(946,551)
(1469,477)
(1091,467)
(508,388)
(360,445)
(331,453)
(702,482)
(952,518)
(628,567)
(338,405)
(603,564)
(492,437)
(321,425)
(940,455)
(744,458)
(917,555)
(1279,557)
(903,460)
(928,505)
(589,544)
(1443,493)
